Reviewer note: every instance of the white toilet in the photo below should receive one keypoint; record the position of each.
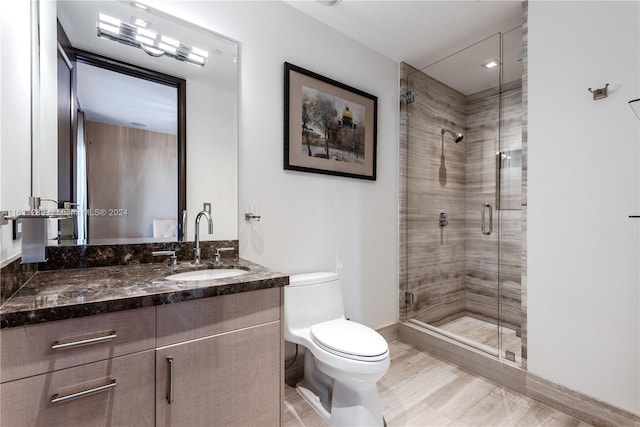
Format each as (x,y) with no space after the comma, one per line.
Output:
(343,359)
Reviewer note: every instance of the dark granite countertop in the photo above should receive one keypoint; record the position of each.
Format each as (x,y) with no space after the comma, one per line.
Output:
(69,293)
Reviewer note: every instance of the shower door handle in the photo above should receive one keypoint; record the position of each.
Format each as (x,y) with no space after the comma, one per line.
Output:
(483,219)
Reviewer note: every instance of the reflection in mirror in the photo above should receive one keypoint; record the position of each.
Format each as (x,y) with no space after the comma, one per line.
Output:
(133,180)
(127,128)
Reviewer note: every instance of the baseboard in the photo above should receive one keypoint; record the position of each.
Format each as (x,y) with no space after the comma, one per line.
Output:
(389,333)
(576,404)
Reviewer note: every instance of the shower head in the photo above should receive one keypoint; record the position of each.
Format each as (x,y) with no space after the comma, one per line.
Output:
(457,137)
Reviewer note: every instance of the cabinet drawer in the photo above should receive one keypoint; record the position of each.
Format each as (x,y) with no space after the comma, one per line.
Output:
(28,402)
(190,320)
(31,350)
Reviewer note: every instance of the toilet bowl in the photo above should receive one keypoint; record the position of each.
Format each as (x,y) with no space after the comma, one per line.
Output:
(343,360)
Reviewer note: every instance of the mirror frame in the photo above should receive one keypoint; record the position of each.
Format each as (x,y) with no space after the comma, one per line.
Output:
(111,64)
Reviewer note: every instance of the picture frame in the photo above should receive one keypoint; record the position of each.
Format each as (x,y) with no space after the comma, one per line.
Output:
(329,127)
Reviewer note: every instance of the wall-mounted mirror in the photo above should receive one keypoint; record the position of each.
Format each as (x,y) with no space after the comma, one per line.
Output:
(126,172)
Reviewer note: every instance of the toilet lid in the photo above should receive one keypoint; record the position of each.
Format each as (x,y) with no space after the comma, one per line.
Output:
(349,339)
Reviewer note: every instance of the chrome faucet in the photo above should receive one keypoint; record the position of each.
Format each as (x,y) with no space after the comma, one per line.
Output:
(196,250)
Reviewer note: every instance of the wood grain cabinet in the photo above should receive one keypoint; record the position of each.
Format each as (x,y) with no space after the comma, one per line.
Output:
(112,392)
(221,364)
(91,371)
(36,349)
(230,379)
(208,362)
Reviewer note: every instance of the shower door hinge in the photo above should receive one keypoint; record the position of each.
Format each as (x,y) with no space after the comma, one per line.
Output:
(408,298)
(510,355)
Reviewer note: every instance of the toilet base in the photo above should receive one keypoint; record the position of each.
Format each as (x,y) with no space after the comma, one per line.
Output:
(356,404)
(351,404)
(341,403)
(313,400)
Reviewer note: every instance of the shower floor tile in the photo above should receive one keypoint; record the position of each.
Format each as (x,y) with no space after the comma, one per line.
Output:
(420,390)
(486,333)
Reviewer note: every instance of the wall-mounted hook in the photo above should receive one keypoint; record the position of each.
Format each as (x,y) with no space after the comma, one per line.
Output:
(599,93)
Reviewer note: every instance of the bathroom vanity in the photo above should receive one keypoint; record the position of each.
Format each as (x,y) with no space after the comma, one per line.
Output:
(123,345)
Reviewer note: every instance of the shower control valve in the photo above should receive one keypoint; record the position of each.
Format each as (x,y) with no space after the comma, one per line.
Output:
(442,219)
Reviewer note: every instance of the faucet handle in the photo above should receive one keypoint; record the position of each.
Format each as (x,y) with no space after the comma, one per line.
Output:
(172,256)
(217,254)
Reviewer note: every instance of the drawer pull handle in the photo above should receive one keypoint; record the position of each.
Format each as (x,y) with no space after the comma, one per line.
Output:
(170,383)
(61,399)
(57,346)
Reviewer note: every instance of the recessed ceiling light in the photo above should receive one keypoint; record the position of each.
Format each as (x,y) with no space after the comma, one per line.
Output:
(491,64)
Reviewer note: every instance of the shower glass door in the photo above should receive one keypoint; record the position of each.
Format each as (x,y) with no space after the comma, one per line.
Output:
(509,199)
(450,214)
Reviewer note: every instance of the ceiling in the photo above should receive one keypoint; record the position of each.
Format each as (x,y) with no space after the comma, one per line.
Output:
(416,32)
(422,33)
(121,100)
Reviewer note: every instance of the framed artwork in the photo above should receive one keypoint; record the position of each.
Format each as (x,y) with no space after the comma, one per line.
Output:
(329,127)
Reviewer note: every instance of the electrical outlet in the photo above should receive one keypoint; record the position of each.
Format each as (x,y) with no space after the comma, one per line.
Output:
(207,207)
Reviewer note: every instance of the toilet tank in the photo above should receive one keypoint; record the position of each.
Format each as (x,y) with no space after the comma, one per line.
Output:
(312,298)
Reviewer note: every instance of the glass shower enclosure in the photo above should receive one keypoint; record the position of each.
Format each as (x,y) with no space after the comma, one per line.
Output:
(460,207)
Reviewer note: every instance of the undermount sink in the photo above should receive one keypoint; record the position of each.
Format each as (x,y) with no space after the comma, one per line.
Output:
(209,274)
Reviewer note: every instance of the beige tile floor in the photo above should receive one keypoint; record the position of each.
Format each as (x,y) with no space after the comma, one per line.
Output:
(420,390)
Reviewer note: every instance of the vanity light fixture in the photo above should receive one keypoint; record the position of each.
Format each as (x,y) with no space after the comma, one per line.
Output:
(491,64)
(148,40)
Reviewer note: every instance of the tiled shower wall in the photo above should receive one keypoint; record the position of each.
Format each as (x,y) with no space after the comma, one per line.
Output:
(485,261)
(523,194)
(432,258)
(453,271)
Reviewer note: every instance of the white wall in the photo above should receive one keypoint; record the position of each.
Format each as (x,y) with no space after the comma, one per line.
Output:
(15,125)
(311,222)
(45,114)
(45,146)
(583,286)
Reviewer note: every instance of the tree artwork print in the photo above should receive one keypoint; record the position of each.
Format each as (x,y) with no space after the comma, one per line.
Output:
(332,128)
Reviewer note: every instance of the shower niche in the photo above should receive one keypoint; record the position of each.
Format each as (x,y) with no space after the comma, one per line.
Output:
(463,281)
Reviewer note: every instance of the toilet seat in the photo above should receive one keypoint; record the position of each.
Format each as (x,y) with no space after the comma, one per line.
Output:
(350,340)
